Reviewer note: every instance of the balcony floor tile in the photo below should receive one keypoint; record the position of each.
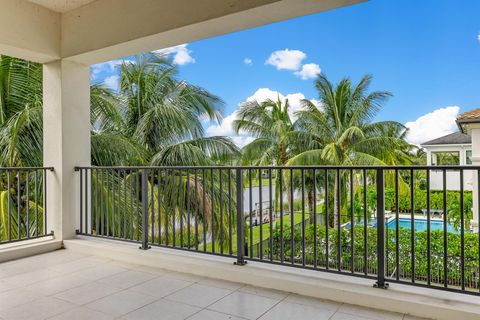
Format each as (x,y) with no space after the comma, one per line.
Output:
(67,285)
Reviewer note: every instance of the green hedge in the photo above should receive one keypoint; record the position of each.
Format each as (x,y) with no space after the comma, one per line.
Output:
(420,262)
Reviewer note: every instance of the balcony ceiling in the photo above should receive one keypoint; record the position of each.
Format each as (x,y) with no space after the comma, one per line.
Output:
(62,6)
(92,31)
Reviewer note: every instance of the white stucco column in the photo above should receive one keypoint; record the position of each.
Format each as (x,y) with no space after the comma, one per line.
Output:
(474,132)
(66,140)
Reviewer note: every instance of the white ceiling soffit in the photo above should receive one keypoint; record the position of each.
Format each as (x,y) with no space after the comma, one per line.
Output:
(61,6)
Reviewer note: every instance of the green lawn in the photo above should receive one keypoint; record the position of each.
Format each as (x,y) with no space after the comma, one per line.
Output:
(256,182)
(297,218)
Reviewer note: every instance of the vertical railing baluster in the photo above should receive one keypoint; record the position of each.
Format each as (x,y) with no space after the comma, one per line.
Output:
(124,204)
(81,200)
(280,183)
(98,209)
(260,213)
(113,201)
(352,225)
(315,253)
(230,220)
(412,224)
(220,182)
(87,209)
(292,219)
(45,202)
(365,223)
(19,208)
(167,191)
(9,207)
(397,227)
(180,185)
(327,223)
(428,229)
(196,208)
(478,227)
(270,212)
(462,233)
(302,186)
(152,201)
(159,205)
(119,211)
(36,203)
(27,203)
(338,206)
(240,220)
(380,230)
(131,206)
(250,203)
(188,208)
(144,210)
(137,200)
(445,238)
(107,201)
(212,199)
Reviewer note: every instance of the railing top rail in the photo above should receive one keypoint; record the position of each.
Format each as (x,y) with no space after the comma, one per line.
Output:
(25,168)
(320,167)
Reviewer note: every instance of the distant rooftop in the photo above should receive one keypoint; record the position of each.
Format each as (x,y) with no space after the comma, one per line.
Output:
(452,138)
(470,115)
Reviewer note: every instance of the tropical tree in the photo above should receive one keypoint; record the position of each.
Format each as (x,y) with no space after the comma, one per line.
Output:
(153,119)
(269,122)
(343,130)
(164,115)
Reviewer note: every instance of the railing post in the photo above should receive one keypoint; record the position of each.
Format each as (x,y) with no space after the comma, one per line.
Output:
(145,245)
(380,231)
(240,220)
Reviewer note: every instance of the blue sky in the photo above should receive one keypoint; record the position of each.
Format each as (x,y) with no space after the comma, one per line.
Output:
(427,53)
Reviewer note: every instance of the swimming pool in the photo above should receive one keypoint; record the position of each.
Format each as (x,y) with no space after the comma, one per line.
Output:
(420,224)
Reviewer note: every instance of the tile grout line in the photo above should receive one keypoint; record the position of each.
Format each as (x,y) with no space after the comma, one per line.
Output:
(156,300)
(206,308)
(281,300)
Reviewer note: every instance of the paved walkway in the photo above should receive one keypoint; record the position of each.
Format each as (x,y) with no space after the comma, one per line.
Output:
(67,285)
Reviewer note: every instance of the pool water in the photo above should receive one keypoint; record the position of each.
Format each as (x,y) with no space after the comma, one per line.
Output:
(419,224)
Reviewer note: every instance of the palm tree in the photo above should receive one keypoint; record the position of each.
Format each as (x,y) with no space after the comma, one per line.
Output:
(155,118)
(159,119)
(343,131)
(270,123)
(164,115)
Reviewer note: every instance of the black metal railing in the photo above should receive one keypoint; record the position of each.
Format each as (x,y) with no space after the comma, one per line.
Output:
(390,224)
(23,206)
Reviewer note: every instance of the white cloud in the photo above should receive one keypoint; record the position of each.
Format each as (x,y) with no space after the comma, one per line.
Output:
(225,128)
(112,82)
(308,71)
(262,94)
(109,67)
(478,37)
(294,99)
(286,59)
(432,125)
(182,55)
(248,61)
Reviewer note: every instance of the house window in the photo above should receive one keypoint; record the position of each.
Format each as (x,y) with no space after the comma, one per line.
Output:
(468,158)
(446,158)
